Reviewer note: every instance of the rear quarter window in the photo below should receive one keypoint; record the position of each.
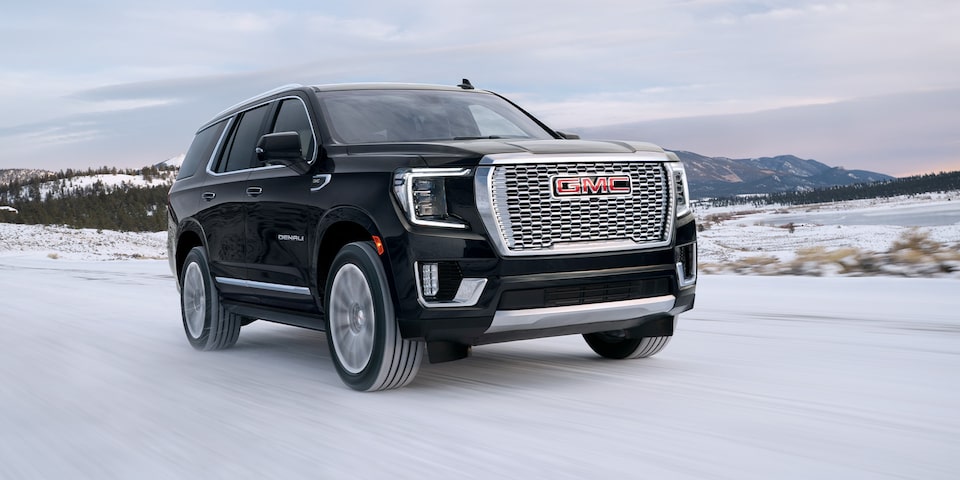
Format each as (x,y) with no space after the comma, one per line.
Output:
(201,150)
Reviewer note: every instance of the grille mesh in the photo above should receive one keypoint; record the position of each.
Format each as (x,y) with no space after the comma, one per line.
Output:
(531,218)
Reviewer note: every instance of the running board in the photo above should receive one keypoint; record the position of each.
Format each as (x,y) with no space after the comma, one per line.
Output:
(305,320)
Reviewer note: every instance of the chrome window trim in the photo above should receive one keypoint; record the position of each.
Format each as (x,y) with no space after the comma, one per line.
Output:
(232,119)
(216,150)
(313,134)
(483,197)
(254,98)
(553,317)
(274,287)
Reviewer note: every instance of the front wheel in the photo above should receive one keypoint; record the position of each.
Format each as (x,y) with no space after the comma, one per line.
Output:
(365,342)
(617,346)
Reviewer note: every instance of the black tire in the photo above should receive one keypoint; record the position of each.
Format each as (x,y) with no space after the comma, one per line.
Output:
(207,325)
(365,343)
(615,345)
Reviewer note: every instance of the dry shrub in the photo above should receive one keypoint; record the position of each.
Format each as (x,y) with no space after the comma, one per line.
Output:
(818,259)
(718,217)
(790,227)
(758,261)
(724,216)
(914,254)
(821,254)
(916,240)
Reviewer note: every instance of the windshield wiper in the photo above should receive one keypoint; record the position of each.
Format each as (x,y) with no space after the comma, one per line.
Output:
(490,137)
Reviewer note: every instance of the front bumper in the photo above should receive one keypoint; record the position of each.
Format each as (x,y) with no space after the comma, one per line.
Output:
(533,297)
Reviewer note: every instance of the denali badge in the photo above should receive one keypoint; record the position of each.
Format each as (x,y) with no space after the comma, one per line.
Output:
(285,237)
(592,185)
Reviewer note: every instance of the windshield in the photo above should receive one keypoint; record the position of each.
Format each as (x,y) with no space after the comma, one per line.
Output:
(374,116)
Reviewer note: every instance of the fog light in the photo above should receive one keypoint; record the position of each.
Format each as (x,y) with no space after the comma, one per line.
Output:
(430,279)
(687,264)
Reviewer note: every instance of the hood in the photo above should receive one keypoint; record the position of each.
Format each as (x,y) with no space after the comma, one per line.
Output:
(469,152)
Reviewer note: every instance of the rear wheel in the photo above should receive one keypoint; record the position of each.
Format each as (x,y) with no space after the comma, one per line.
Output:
(365,343)
(616,345)
(207,325)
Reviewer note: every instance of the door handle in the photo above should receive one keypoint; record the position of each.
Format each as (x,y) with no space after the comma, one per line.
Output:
(254,191)
(208,196)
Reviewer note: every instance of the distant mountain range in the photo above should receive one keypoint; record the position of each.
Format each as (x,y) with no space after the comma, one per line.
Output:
(708,176)
(723,177)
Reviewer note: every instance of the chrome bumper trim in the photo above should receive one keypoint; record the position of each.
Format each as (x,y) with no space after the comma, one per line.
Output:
(552,317)
(468,293)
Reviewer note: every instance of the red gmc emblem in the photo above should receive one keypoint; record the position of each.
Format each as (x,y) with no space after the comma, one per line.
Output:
(592,185)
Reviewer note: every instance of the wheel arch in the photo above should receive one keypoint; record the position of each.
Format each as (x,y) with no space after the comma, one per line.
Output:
(337,228)
(190,236)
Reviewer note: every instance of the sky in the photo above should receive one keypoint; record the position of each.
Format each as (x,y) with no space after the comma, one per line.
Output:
(869,85)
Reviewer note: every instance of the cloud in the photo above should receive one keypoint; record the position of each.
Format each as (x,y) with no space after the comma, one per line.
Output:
(170,67)
(899,134)
(654,103)
(55,135)
(211,22)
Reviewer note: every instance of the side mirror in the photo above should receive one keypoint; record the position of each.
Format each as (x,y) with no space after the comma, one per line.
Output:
(282,148)
(568,136)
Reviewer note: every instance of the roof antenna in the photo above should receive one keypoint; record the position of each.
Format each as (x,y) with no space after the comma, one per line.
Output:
(466,85)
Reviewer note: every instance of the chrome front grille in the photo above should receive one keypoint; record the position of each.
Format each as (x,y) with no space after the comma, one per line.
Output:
(530,219)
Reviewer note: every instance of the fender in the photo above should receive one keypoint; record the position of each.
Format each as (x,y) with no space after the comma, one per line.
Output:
(349,215)
(185,226)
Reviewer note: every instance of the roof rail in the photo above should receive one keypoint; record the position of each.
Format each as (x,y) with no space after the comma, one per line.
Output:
(262,95)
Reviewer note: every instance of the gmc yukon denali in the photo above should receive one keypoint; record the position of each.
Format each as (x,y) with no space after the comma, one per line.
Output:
(411,220)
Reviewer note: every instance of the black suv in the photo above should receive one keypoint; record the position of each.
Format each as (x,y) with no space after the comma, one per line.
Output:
(404,218)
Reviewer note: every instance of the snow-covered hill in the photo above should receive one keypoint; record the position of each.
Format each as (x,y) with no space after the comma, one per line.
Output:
(720,177)
(172,162)
(20,175)
(94,182)
(105,198)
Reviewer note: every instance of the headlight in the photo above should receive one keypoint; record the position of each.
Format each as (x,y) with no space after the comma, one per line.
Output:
(680,190)
(423,197)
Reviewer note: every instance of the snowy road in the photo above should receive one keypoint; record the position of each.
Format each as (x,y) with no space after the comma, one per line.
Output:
(769,377)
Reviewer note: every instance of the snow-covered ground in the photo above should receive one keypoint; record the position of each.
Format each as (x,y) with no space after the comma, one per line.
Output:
(747,239)
(769,377)
(58,242)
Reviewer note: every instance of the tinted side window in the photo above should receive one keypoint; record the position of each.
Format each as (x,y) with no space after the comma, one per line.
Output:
(240,153)
(292,117)
(201,150)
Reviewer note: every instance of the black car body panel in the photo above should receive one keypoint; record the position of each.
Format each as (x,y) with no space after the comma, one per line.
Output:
(272,232)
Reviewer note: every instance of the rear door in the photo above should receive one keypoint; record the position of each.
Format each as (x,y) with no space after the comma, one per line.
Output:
(223,210)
